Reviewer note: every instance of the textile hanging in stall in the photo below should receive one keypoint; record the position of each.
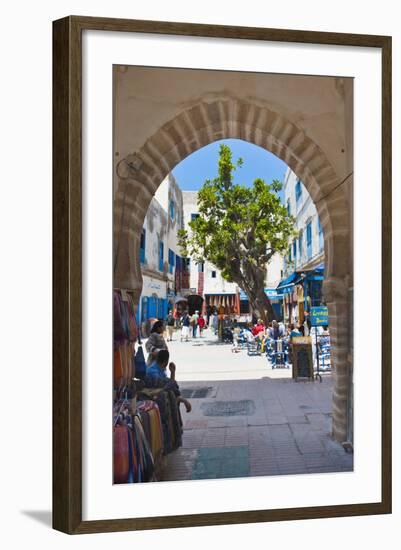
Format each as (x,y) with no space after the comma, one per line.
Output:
(170,415)
(152,425)
(125,327)
(132,457)
(123,364)
(125,334)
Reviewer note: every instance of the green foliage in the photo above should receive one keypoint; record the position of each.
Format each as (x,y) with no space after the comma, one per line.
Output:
(239,228)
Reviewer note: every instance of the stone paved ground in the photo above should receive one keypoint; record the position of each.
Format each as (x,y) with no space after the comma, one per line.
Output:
(254,420)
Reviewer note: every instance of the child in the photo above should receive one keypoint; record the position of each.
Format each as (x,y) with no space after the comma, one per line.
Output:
(236,335)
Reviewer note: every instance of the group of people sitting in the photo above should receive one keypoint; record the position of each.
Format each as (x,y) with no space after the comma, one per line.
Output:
(157,363)
(274,331)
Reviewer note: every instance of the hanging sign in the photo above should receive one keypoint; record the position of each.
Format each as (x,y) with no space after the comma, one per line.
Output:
(319,316)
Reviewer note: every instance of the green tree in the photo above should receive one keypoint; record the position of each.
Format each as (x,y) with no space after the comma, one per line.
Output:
(239,229)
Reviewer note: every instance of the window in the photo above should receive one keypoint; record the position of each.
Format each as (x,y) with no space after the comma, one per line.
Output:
(201,266)
(214,274)
(309,239)
(161,256)
(194,217)
(298,190)
(171,258)
(289,207)
(294,248)
(172,209)
(142,247)
(321,240)
(300,243)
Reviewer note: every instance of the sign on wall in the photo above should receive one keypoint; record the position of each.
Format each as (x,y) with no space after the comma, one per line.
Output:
(319,316)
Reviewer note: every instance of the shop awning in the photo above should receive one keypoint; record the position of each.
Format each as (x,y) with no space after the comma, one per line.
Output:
(316,274)
(273,294)
(289,282)
(270,293)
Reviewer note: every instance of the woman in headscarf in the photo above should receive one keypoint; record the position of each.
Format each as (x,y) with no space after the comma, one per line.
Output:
(155,342)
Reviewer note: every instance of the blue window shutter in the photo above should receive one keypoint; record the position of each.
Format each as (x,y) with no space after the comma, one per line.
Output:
(142,247)
(171,258)
(298,190)
(309,239)
(300,244)
(321,239)
(161,256)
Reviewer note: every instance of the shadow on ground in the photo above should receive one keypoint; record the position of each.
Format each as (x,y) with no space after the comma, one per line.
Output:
(40,516)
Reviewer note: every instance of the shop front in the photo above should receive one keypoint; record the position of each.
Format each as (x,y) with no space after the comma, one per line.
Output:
(301,291)
(153,303)
(222,304)
(276,299)
(289,289)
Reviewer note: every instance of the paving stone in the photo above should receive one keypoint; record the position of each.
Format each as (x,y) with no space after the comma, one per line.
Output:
(238,467)
(300,419)
(206,469)
(195,424)
(271,420)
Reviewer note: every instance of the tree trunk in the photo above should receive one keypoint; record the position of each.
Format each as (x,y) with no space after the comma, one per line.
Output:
(261,305)
(253,286)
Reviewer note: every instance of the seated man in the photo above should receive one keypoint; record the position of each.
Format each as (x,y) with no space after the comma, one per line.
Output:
(156,377)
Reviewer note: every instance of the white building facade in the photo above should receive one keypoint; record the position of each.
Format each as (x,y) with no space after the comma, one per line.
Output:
(307,250)
(159,251)
(205,279)
(303,269)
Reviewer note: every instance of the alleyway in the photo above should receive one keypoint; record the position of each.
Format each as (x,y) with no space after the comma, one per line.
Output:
(248,419)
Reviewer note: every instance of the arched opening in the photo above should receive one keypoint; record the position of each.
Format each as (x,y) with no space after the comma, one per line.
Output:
(215,116)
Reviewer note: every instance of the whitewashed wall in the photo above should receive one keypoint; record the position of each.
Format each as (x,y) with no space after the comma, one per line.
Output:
(303,210)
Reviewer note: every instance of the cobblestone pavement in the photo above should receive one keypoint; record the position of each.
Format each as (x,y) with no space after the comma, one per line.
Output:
(248,419)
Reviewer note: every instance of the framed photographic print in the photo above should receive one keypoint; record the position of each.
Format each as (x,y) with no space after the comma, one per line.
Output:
(222,275)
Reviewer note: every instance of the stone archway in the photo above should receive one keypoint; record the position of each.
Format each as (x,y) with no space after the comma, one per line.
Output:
(219,116)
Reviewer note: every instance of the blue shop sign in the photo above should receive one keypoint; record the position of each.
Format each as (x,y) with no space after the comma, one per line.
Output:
(270,293)
(319,316)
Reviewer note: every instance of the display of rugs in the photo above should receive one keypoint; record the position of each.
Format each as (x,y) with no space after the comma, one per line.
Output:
(152,425)
(124,323)
(170,415)
(147,426)
(123,363)
(132,457)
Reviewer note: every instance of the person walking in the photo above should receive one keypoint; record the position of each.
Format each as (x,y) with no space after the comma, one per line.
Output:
(170,322)
(194,323)
(201,325)
(214,322)
(185,326)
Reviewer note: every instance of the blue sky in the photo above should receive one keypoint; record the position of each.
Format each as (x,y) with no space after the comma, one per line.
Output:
(201,165)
